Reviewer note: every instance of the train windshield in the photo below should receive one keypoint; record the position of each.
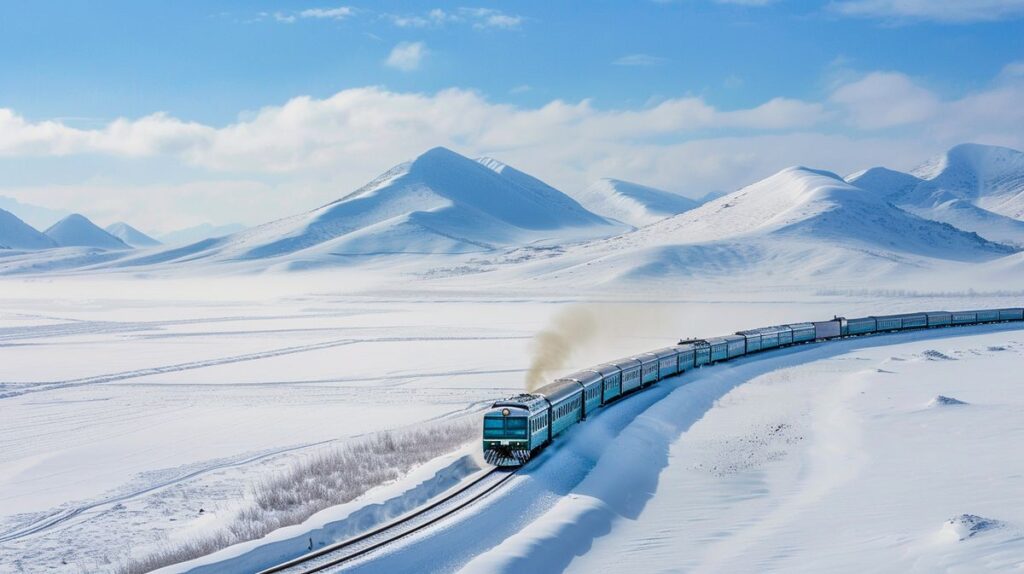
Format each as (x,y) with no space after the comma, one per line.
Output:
(504,427)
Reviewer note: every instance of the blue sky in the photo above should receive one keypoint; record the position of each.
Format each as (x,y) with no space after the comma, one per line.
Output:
(160,102)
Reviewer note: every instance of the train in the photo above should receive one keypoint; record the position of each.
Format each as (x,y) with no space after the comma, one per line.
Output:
(516,428)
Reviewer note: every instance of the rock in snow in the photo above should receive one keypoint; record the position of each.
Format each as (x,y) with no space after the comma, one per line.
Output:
(965,526)
(16,234)
(632,203)
(943,401)
(130,235)
(77,231)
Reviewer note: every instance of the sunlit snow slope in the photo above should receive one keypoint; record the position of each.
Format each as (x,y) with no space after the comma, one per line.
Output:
(799,222)
(973,187)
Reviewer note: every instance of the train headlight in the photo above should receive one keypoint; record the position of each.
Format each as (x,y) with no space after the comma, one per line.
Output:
(505,412)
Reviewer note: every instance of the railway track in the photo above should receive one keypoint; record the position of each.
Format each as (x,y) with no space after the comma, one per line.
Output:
(347,550)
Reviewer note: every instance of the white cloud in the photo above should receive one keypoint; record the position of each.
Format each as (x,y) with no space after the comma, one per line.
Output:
(491,18)
(406,56)
(640,60)
(307,151)
(950,11)
(339,13)
(435,17)
(886,99)
(1012,71)
(479,18)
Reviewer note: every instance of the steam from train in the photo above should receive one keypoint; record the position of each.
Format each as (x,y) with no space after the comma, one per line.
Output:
(553,347)
(587,332)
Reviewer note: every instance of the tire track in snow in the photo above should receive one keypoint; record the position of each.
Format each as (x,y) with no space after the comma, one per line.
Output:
(10,389)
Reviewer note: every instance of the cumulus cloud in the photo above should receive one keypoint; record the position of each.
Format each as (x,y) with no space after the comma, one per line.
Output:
(491,18)
(950,11)
(406,56)
(339,13)
(479,18)
(886,99)
(316,149)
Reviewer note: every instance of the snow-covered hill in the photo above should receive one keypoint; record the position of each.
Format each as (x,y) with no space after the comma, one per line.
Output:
(632,203)
(76,230)
(16,234)
(799,224)
(973,187)
(198,233)
(130,235)
(438,203)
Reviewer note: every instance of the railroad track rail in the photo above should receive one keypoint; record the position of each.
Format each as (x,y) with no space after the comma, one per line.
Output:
(347,550)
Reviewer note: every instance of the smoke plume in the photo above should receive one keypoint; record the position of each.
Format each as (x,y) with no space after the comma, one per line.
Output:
(553,347)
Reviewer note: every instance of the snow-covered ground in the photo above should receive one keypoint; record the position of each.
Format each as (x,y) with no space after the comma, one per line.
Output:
(845,457)
(129,404)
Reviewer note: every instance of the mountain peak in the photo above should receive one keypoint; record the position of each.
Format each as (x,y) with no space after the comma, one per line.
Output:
(971,160)
(130,235)
(76,230)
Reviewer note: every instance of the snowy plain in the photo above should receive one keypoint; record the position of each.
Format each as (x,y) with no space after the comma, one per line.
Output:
(129,405)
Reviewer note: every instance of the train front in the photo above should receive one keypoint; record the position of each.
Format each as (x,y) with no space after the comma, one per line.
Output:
(506,435)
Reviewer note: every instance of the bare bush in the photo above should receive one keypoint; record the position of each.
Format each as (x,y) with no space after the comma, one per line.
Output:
(324,480)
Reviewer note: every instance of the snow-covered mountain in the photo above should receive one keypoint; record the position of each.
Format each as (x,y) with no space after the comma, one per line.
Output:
(798,223)
(198,233)
(76,230)
(439,203)
(632,203)
(131,236)
(16,234)
(973,187)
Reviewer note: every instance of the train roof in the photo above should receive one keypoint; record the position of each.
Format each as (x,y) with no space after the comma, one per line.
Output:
(766,330)
(607,369)
(528,401)
(667,352)
(559,390)
(900,315)
(626,363)
(645,357)
(583,377)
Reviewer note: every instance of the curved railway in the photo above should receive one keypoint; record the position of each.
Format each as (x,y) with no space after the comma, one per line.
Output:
(348,550)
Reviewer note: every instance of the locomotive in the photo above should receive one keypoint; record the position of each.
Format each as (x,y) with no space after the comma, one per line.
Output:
(517,427)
